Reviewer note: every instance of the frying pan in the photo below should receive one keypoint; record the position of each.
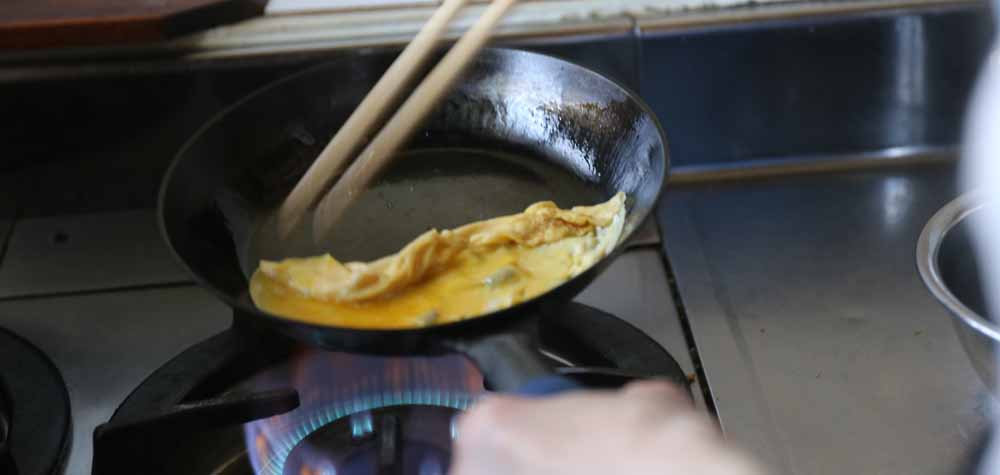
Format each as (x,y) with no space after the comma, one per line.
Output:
(518,127)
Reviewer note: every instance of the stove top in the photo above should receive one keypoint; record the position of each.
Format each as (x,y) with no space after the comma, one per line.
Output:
(34,410)
(126,348)
(243,402)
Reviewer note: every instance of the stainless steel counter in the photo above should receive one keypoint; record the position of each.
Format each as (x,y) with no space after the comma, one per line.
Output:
(822,349)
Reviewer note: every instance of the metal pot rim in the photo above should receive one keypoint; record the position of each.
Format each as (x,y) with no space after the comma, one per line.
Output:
(928,246)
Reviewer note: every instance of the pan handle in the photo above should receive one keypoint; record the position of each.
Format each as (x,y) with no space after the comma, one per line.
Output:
(511,364)
(547,386)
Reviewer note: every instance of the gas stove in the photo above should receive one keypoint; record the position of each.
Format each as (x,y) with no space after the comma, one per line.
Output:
(803,170)
(155,369)
(245,402)
(157,372)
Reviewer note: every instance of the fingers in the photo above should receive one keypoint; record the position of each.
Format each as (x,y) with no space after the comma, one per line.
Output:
(642,397)
(487,413)
(657,390)
(481,446)
(654,404)
(593,432)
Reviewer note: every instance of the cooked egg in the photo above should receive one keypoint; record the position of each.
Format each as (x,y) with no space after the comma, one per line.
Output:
(444,276)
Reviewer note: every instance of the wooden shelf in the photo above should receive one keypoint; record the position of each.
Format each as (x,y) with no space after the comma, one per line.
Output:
(33,24)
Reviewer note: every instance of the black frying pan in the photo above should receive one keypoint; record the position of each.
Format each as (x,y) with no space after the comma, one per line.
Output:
(517,128)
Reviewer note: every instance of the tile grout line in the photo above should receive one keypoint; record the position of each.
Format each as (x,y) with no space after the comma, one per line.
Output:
(99,291)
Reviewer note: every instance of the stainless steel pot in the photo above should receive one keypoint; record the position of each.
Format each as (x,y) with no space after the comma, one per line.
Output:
(947,263)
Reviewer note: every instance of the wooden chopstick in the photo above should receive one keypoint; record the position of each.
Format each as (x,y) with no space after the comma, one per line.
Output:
(345,143)
(379,152)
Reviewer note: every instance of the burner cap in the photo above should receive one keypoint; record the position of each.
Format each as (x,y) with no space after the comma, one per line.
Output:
(38,416)
(398,440)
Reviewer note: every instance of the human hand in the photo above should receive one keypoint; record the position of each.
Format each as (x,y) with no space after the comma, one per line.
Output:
(648,427)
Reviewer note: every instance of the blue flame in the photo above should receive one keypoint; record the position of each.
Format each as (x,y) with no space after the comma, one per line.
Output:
(274,462)
(333,386)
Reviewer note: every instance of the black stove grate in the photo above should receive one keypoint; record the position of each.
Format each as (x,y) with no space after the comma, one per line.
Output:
(34,410)
(179,401)
(176,421)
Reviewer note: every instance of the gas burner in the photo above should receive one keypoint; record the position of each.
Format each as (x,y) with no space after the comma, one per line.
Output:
(34,410)
(354,390)
(246,403)
(397,440)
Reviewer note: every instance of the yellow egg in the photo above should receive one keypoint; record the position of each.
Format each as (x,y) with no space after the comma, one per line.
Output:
(444,276)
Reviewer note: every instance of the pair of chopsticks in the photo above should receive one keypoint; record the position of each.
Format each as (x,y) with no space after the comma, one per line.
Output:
(337,155)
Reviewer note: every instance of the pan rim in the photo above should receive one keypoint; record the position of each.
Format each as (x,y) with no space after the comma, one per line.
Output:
(237,306)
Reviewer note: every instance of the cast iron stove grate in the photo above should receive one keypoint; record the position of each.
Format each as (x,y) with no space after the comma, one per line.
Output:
(196,413)
(34,410)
